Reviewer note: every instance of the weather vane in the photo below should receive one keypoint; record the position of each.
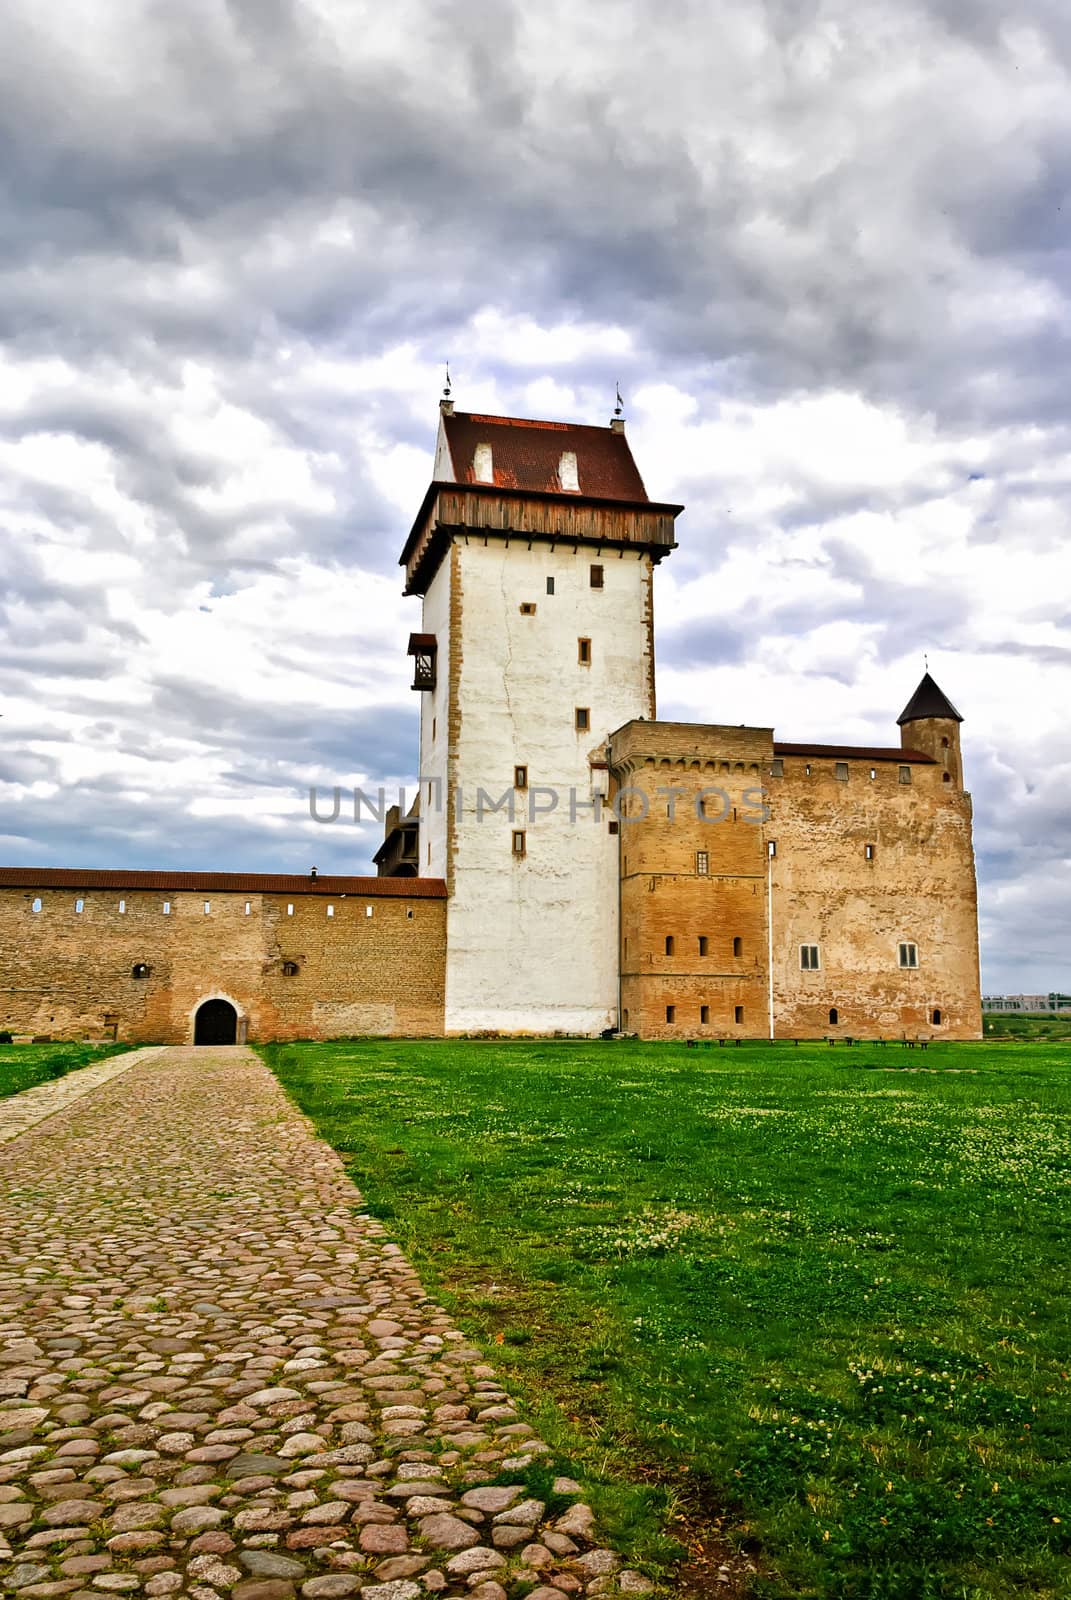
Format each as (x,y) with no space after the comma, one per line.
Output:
(618,409)
(446,389)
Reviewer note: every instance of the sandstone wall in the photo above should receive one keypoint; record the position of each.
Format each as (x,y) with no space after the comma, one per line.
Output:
(69,974)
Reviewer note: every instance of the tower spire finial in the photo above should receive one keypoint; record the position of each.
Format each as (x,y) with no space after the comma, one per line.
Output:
(620,406)
(446,386)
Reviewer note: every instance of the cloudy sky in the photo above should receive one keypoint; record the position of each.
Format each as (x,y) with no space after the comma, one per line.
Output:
(823,245)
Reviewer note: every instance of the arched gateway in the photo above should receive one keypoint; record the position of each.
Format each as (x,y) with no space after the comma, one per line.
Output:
(216,1023)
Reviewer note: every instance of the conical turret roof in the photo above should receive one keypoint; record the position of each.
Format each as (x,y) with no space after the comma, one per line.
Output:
(928,701)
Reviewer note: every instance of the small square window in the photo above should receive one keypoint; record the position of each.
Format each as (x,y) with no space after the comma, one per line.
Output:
(583,719)
(905,774)
(583,652)
(37,904)
(703,944)
(596,577)
(909,955)
(520,777)
(550,585)
(704,1014)
(671,1012)
(702,863)
(809,961)
(528,608)
(840,771)
(520,842)
(777,767)
(738,1013)
(613,828)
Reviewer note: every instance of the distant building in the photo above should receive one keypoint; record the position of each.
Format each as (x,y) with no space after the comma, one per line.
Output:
(1026,1002)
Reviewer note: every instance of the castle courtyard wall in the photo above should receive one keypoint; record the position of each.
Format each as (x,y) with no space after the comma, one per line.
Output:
(376,965)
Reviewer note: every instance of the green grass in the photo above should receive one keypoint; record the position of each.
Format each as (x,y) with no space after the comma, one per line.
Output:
(812,1298)
(23,1066)
(1027,1025)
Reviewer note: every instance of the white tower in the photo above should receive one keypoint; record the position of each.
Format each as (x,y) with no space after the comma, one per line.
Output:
(534,551)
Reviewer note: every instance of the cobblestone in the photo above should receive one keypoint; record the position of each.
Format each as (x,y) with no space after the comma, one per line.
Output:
(220,1379)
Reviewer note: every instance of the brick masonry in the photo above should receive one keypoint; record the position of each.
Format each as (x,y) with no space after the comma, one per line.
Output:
(65,973)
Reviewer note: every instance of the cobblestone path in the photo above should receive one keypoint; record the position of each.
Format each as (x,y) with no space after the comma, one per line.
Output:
(218,1379)
(21,1111)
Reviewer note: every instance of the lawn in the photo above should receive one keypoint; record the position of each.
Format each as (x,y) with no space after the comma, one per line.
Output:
(1049,1025)
(810,1303)
(23,1066)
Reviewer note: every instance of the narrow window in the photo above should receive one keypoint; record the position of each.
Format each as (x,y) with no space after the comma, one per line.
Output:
(368,911)
(868,851)
(702,863)
(946,777)
(208,907)
(596,577)
(583,719)
(840,771)
(140,969)
(330,911)
(669,944)
(873,773)
(704,1014)
(528,608)
(167,908)
(249,908)
(550,585)
(944,744)
(37,905)
(626,1019)
(520,777)
(771,847)
(807,769)
(905,774)
(409,913)
(290,969)
(434,725)
(738,946)
(702,944)
(937,1017)
(809,957)
(79,906)
(834,1015)
(671,1012)
(777,767)
(739,1014)
(520,844)
(909,955)
(583,652)
(122,907)
(613,828)
(290,911)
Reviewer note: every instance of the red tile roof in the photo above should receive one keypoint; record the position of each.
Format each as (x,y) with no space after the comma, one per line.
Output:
(526,455)
(220,882)
(854,752)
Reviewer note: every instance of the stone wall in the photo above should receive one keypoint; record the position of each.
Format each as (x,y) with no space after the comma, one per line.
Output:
(69,974)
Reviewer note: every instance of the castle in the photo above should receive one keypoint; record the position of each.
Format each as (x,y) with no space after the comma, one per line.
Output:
(572,864)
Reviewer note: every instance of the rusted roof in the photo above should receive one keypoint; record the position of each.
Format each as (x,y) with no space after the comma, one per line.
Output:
(854,752)
(527,455)
(220,882)
(928,701)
